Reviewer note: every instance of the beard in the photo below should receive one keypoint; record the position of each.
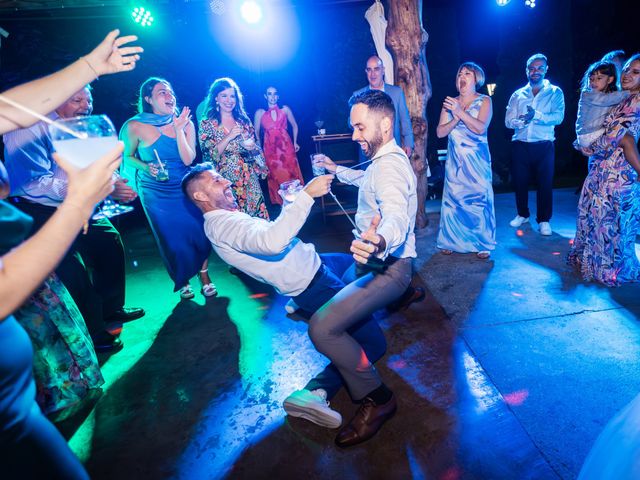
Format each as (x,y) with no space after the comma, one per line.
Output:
(373,145)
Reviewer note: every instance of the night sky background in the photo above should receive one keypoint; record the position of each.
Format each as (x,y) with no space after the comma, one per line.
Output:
(314,53)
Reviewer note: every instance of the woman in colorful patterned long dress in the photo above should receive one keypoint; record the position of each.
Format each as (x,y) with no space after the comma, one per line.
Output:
(228,141)
(279,150)
(467,218)
(609,207)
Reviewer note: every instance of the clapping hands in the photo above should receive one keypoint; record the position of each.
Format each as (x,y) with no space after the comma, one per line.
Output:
(181,121)
(527,117)
(453,105)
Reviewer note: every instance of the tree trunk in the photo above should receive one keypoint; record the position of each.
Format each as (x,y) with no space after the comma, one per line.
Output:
(407,40)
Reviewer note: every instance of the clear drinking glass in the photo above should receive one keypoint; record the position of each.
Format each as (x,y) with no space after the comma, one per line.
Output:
(110,208)
(290,190)
(94,137)
(316,164)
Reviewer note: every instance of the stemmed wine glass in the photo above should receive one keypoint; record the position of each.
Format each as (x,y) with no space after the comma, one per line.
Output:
(82,141)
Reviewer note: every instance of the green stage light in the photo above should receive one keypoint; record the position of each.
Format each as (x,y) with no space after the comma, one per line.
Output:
(142,16)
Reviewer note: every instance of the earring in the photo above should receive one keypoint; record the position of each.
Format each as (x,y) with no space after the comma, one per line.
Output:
(217,106)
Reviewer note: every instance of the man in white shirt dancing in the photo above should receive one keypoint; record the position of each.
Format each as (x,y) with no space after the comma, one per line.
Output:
(533,112)
(387,205)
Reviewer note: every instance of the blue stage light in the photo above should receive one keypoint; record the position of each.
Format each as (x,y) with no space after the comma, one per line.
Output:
(251,11)
(502,3)
(530,3)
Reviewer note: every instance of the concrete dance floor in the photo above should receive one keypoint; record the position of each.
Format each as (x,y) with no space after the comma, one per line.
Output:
(508,369)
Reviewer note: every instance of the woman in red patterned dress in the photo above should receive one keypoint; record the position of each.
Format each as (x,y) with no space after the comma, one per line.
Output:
(279,150)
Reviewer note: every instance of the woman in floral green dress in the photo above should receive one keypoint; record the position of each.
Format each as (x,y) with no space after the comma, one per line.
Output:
(228,141)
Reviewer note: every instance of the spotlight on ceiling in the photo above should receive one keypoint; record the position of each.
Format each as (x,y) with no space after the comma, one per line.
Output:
(251,11)
(502,3)
(530,3)
(142,16)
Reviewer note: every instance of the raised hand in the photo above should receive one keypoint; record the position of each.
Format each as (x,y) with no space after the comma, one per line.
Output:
(319,186)
(111,56)
(181,121)
(369,243)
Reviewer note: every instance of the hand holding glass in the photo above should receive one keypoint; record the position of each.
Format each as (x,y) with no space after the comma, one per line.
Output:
(317,164)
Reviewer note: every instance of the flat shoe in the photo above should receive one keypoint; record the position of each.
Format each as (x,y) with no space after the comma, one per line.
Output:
(446,252)
(483,254)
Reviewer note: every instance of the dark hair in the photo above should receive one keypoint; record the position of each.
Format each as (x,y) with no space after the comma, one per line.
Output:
(377,101)
(146,89)
(606,68)
(609,57)
(220,84)
(193,174)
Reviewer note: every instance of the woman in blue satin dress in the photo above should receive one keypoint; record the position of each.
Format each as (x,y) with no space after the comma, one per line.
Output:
(157,132)
(467,218)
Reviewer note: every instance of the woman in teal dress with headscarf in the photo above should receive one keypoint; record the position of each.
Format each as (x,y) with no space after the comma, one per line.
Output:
(160,145)
(467,218)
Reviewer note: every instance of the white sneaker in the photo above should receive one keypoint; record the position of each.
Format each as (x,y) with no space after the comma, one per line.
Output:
(518,221)
(291,306)
(545,228)
(312,406)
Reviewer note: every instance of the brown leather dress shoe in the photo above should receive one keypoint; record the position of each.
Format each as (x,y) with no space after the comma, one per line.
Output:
(366,422)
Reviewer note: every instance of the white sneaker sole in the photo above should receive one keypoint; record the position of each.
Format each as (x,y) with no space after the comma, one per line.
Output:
(314,413)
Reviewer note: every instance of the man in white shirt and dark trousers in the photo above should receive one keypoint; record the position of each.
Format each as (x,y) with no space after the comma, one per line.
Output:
(533,112)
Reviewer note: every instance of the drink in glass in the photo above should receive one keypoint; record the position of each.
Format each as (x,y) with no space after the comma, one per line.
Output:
(290,190)
(95,137)
(316,164)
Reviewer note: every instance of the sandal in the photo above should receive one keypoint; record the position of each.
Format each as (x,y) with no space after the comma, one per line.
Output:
(208,289)
(446,252)
(483,254)
(186,292)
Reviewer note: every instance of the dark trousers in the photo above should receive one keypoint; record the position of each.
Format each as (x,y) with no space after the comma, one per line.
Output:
(93,268)
(338,271)
(533,160)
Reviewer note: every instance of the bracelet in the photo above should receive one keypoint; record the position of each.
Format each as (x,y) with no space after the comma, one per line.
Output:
(91,67)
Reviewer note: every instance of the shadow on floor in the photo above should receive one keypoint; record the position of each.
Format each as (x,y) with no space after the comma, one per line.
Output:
(147,417)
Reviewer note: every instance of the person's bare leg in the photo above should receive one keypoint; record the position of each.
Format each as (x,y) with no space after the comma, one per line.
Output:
(208,288)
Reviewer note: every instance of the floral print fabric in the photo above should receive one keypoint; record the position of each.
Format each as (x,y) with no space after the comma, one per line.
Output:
(65,366)
(609,208)
(237,165)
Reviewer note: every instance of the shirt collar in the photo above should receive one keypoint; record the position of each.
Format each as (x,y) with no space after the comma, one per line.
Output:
(388,147)
(217,212)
